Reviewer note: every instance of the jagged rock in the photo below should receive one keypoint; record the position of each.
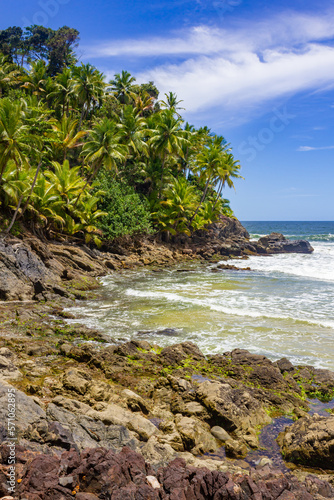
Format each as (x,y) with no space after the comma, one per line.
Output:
(284,365)
(309,441)
(230,408)
(235,449)
(135,402)
(195,435)
(75,381)
(173,355)
(101,473)
(27,412)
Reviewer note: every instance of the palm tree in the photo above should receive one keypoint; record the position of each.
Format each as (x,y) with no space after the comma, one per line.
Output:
(15,140)
(103,147)
(88,87)
(181,199)
(8,74)
(35,80)
(66,134)
(167,139)
(66,181)
(189,148)
(121,86)
(208,161)
(171,103)
(143,103)
(64,90)
(46,204)
(133,131)
(227,170)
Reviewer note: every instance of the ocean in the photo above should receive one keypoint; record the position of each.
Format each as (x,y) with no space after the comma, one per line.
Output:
(283,307)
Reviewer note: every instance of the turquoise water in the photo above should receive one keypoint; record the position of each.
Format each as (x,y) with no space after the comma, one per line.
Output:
(283,307)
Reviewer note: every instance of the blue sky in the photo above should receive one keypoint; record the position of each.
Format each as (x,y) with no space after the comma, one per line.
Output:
(260,73)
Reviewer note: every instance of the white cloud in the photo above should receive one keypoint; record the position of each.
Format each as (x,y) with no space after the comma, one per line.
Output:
(239,68)
(310,148)
(244,79)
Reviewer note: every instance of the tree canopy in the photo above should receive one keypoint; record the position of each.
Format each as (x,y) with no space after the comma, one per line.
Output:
(83,158)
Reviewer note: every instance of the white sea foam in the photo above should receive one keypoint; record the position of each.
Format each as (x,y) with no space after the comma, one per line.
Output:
(318,265)
(284,307)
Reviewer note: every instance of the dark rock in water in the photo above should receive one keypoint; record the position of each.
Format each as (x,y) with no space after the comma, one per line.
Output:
(169,332)
(230,267)
(309,441)
(278,243)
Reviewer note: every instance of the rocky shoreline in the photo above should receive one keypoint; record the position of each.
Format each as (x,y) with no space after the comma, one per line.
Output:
(97,420)
(31,269)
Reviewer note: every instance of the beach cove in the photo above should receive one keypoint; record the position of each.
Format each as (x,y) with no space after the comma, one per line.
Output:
(156,391)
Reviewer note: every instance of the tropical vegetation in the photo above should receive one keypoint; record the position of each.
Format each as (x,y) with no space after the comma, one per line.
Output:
(84,158)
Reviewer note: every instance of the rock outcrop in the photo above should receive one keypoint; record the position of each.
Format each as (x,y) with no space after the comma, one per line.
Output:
(277,243)
(309,441)
(102,411)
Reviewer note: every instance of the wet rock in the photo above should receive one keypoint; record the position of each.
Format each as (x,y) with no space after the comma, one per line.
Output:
(309,441)
(264,461)
(220,433)
(267,376)
(235,449)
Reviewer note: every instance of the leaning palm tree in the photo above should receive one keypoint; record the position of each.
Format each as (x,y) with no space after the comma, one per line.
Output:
(208,162)
(167,139)
(227,171)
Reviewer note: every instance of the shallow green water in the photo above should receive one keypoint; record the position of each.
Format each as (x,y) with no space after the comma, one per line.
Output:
(260,311)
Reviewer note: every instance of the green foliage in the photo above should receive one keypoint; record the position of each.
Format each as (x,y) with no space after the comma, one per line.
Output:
(127,212)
